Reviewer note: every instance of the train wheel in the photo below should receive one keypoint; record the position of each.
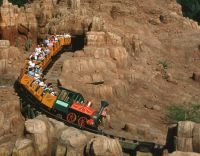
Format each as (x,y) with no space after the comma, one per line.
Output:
(71,117)
(82,122)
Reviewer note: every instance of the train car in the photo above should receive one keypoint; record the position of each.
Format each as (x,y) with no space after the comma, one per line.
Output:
(67,104)
(74,109)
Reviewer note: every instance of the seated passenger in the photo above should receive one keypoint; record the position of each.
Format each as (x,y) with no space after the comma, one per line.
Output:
(50,44)
(53,93)
(38,49)
(31,72)
(37,76)
(56,39)
(46,51)
(46,42)
(32,56)
(31,64)
(40,58)
(67,35)
(38,69)
(42,84)
(38,80)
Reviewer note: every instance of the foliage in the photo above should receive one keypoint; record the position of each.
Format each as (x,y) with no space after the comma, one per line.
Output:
(17,43)
(27,45)
(16,2)
(164,63)
(191,8)
(189,112)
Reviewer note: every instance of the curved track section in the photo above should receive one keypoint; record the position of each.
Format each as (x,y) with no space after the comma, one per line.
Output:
(34,101)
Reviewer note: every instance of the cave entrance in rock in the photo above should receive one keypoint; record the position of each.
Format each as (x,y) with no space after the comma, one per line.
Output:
(78,42)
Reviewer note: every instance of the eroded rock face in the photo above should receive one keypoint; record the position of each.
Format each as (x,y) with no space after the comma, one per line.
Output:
(23,147)
(144,131)
(17,24)
(10,57)
(103,146)
(62,140)
(187,138)
(178,153)
(11,121)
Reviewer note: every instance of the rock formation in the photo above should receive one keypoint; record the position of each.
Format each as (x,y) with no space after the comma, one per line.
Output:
(50,137)
(185,137)
(17,24)
(125,45)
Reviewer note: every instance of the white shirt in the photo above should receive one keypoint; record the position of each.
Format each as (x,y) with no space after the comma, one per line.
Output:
(38,49)
(31,64)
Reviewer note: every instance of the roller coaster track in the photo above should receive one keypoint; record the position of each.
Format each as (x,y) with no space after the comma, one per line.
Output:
(31,107)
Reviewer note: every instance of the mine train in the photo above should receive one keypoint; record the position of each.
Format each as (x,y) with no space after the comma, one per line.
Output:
(67,104)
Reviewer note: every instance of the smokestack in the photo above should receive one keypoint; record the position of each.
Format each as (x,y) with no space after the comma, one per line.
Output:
(103,105)
(97,117)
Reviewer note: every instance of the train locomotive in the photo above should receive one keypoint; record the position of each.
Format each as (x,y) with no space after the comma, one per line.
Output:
(68,105)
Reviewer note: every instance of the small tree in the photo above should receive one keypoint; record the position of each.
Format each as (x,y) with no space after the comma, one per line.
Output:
(27,45)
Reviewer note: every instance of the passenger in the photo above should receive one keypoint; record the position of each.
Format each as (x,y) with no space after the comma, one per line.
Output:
(40,58)
(31,72)
(50,44)
(42,84)
(56,39)
(38,69)
(38,80)
(37,53)
(52,38)
(38,49)
(53,93)
(46,51)
(46,42)
(32,56)
(37,76)
(31,64)
(67,35)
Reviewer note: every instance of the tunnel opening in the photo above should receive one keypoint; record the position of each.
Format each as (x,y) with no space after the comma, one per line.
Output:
(191,9)
(78,42)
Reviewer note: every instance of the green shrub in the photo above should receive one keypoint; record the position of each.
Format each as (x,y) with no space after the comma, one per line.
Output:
(164,63)
(189,112)
(17,43)
(27,45)
(16,2)
(191,8)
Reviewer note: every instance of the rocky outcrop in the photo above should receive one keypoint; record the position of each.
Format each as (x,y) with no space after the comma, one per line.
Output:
(10,57)
(178,153)
(144,132)
(11,121)
(103,146)
(17,24)
(185,136)
(103,55)
(23,147)
(50,137)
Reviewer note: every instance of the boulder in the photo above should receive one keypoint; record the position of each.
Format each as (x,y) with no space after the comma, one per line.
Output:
(61,150)
(6,149)
(196,138)
(38,129)
(185,129)
(96,38)
(23,147)
(72,137)
(178,153)
(102,146)
(4,44)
